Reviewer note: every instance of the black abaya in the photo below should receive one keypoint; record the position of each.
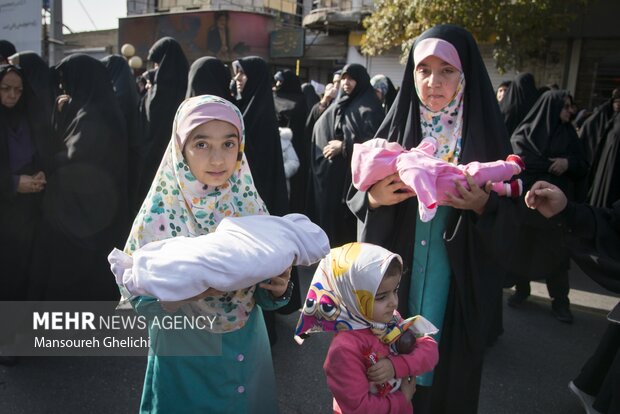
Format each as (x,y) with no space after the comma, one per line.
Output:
(353,118)
(290,104)
(85,202)
(209,76)
(161,103)
(474,243)
(518,100)
(605,171)
(262,141)
(540,137)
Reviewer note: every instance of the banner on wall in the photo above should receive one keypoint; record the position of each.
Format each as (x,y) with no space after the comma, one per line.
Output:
(20,24)
(226,35)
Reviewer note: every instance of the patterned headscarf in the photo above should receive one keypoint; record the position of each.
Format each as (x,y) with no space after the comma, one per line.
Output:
(177,204)
(342,292)
(445,125)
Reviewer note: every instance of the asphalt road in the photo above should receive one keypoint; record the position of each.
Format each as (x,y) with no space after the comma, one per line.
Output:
(527,371)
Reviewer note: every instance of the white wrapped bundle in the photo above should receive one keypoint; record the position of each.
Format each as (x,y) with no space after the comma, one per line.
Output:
(241,252)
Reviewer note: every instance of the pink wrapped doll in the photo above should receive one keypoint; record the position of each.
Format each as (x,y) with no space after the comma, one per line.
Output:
(428,177)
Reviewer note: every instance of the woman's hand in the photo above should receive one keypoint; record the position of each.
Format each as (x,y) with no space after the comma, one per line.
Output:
(407,387)
(473,199)
(277,285)
(547,198)
(31,183)
(382,371)
(386,192)
(174,306)
(333,148)
(558,166)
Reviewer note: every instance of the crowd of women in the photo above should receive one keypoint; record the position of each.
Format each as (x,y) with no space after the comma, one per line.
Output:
(85,149)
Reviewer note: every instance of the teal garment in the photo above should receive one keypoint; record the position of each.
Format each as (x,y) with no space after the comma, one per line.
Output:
(430,276)
(240,379)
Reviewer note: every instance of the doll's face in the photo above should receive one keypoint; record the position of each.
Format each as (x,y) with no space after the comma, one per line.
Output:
(386,298)
(437,82)
(211,152)
(11,89)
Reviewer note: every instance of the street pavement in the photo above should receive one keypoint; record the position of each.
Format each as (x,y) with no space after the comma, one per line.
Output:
(526,371)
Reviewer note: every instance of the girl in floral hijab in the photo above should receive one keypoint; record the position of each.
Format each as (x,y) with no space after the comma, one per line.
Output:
(354,292)
(203,178)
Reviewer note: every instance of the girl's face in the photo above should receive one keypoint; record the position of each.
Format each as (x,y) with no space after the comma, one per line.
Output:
(11,88)
(437,82)
(240,79)
(211,152)
(386,298)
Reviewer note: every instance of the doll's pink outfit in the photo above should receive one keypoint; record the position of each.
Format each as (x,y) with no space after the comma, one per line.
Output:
(428,177)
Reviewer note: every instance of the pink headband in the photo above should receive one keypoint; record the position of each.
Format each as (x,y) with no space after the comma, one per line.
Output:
(211,111)
(439,48)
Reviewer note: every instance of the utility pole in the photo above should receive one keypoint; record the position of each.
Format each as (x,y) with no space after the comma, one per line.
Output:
(54,38)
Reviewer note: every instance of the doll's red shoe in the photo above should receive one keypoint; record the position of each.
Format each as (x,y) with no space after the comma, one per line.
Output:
(517,160)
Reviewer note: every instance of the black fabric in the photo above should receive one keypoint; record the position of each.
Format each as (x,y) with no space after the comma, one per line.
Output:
(605,171)
(85,209)
(19,212)
(351,119)
(161,104)
(593,129)
(128,101)
(262,140)
(541,136)
(290,104)
(390,96)
(40,78)
(595,247)
(518,100)
(209,76)
(7,49)
(309,92)
(474,243)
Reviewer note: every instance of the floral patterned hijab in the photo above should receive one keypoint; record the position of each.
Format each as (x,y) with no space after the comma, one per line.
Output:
(342,292)
(445,125)
(177,204)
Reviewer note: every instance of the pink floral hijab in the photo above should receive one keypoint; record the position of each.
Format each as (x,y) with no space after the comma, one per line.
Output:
(177,204)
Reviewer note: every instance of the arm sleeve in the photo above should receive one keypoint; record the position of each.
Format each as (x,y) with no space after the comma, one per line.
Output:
(266,301)
(346,379)
(422,359)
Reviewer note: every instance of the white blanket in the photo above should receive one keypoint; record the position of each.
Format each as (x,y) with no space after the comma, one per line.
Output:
(240,253)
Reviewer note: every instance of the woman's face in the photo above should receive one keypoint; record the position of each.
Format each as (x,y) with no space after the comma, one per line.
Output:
(211,152)
(437,82)
(348,84)
(240,79)
(11,88)
(565,113)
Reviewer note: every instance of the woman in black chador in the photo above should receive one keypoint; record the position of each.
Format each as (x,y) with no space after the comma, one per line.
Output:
(39,76)
(161,103)
(605,171)
(22,178)
(290,104)
(85,202)
(209,76)
(353,118)
(262,142)
(451,264)
(128,100)
(518,100)
(548,145)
